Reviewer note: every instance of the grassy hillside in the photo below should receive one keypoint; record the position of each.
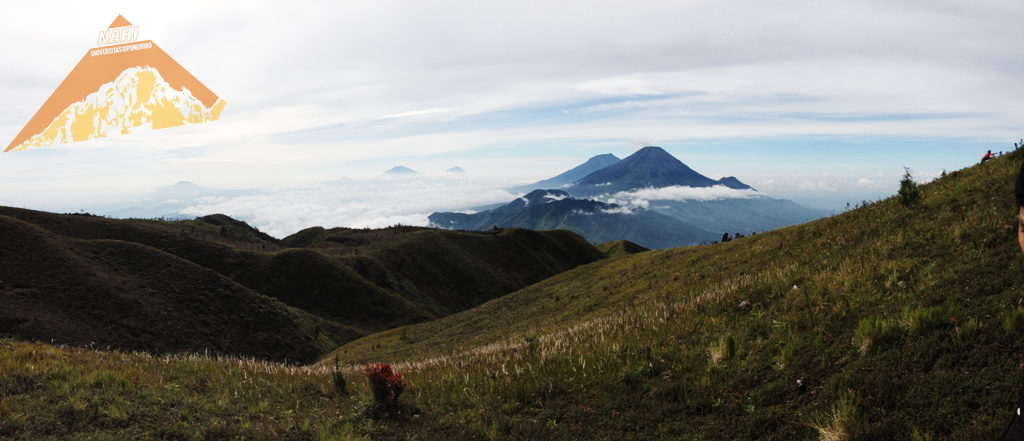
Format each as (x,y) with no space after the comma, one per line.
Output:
(412,276)
(125,295)
(216,283)
(49,392)
(882,323)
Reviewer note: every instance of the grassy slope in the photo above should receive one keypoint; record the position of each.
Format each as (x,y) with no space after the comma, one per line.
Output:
(941,280)
(897,323)
(218,284)
(620,248)
(125,295)
(49,392)
(399,276)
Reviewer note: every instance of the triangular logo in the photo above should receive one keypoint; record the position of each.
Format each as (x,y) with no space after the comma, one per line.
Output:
(118,87)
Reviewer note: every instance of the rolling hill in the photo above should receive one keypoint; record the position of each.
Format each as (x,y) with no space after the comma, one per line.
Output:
(216,283)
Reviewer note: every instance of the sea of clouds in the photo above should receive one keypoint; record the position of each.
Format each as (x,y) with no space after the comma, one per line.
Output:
(357,203)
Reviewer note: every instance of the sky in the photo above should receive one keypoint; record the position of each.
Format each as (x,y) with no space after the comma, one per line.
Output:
(820,102)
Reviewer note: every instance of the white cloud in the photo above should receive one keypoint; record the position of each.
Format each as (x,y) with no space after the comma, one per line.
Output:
(373,203)
(866,182)
(424,112)
(618,210)
(819,186)
(681,193)
(555,197)
(625,85)
(641,199)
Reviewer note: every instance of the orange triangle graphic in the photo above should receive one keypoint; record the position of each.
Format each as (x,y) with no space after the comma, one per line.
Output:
(119,22)
(116,89)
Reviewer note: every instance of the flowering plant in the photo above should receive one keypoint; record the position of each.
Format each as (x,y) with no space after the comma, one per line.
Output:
(385,383)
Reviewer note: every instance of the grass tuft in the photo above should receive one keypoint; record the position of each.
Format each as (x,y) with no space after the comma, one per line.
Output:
(722,350)
(843,423)
(870,331)
(917,318)
(1013,322)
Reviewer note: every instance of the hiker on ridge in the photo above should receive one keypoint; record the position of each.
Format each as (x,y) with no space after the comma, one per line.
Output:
(987,156)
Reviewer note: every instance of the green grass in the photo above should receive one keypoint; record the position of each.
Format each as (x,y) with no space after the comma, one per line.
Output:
(620,248)
(68,393)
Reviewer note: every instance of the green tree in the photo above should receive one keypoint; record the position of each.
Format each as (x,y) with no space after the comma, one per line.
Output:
(909,193)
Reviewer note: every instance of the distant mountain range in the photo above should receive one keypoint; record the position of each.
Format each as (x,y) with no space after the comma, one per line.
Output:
(690,208)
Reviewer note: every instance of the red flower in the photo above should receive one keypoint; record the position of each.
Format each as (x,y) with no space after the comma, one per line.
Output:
(386,384)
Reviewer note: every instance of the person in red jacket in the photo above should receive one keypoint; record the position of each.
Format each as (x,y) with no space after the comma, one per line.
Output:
(987,156)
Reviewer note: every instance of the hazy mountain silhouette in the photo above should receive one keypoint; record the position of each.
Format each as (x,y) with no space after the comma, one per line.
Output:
(570,177)
(401,170)
(166,202)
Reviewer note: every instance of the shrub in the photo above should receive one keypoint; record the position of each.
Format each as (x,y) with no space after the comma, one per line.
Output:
(340,385)
(387,385)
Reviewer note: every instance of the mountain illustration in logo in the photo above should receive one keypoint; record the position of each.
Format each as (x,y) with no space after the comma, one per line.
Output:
(119,87)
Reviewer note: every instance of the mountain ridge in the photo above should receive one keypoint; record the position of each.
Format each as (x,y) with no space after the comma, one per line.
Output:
(594,220)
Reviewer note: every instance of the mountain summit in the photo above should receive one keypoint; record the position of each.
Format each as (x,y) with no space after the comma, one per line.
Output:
(401,170)
(649,167)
